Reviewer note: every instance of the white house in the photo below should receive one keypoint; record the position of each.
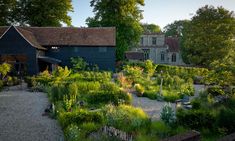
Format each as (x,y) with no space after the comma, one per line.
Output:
(159,49)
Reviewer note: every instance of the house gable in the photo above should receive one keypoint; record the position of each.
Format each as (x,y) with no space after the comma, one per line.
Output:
(11,36)
(26,35)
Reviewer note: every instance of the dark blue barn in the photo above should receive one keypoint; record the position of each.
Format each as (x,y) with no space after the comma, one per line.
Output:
(33,49)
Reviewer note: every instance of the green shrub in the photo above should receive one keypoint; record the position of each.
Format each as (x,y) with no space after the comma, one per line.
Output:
(145,137)
(215,90)
(105,97)
(230,103)
(86,87)
(44,78)
(196,119)
(70,98)
(151,94)
(226,120)
(81,132)
(139,89)
(96,76)
(4,70)
(133,73)
(89,127)
(31,81)
(160,129)
(1,85)
(196,103)
(57,93)
(79,117)
(126,118)
(60,75)
(109,86)
(73,133)
(171,96)
(149,68)
(78,64)
(183,72)
(187,89)
(16,81)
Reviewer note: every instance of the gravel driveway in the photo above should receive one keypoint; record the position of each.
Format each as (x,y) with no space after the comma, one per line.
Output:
(21,117)
(153,107)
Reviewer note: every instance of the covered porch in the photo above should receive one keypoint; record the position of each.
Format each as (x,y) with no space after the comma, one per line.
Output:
(47,63)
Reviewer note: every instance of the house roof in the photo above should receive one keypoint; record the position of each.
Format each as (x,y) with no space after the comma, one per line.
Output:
(134,55)
(46,36)
(173,44)
(49,59)
(2,30)
(152,46)
(67,36)
(30,38)
(153,33)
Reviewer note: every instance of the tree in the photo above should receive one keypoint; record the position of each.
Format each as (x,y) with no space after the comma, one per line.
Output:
(43,13)
(122,14)
(208,37)
(151,28)
(223,72)
(175,29)
(6,8)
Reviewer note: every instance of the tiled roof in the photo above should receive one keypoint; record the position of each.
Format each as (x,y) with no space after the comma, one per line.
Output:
(155,46)
(153,33)
(68,36)
(173,44)
(47,36)
(30,38)
(2,30)
(134,55)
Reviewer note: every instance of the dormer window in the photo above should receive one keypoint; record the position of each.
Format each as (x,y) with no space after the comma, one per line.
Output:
(55,48)
(154,40)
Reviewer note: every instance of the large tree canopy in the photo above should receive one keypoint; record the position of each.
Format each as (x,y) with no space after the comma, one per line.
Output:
(43,12)
(122,14)
(209,35)
(151,28)
(175,29)
(6,8)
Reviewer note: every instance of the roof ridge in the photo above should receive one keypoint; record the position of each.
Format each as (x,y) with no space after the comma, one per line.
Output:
(68,27)
(46,36)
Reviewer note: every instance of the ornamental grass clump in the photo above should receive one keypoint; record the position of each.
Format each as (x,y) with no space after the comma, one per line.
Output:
(167,114)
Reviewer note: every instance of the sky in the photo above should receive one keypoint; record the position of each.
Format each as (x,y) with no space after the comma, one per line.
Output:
(160,12)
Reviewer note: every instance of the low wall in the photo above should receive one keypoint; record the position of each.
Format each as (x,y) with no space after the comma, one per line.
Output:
(188,136)
(230,137)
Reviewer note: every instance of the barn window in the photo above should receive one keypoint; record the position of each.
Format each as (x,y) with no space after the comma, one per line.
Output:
(55,48)
(102,49)
(173,57)
(75,49)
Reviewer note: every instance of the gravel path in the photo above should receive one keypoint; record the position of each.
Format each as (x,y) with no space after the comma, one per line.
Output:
(21,117)
(153,107)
